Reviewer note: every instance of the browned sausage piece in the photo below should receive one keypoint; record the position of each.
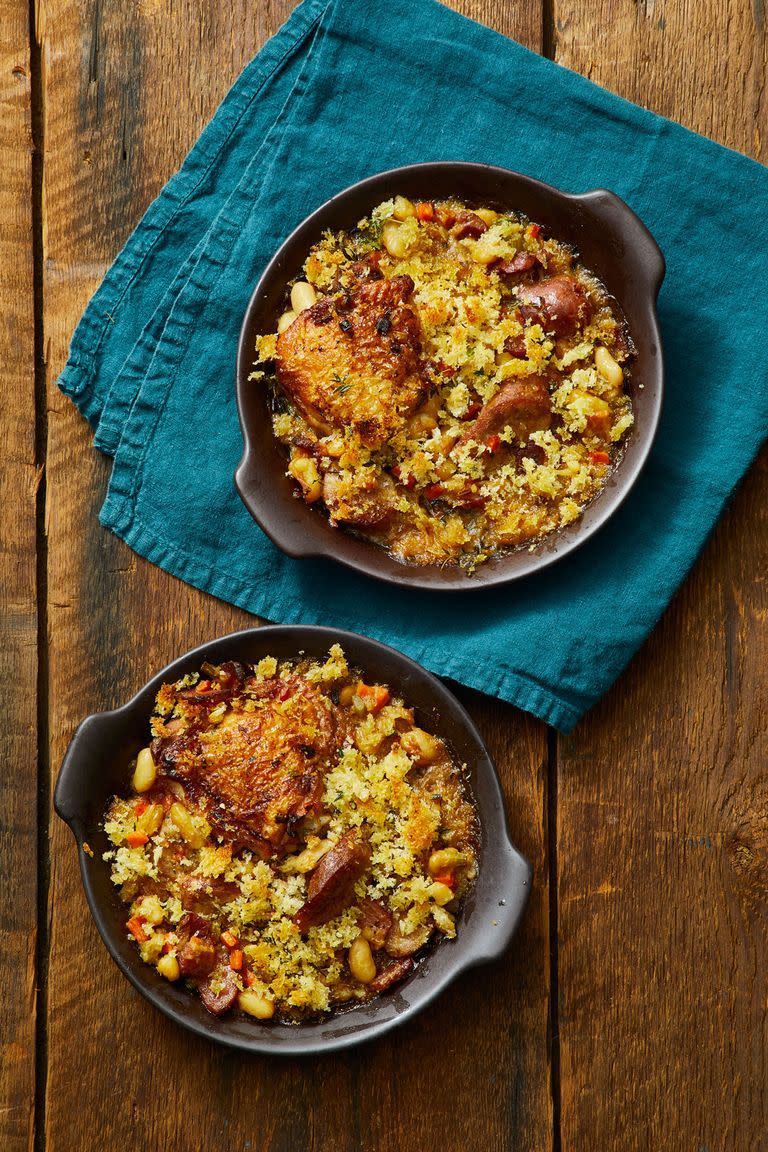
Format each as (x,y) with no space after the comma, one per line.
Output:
(332,886)
(468,224)
(520,263)
(515,345)
(560,304)
(375,922)
(396,944)
(221,1001)
(197,954)
(523,405)
(390,975)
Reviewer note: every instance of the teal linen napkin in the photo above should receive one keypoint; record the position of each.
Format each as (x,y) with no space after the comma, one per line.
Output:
(348,88)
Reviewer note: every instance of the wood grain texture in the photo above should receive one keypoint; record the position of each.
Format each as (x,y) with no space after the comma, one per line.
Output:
(662,844)
(127,89)
(18,617)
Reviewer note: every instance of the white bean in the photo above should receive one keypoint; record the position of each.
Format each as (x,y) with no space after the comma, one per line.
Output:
(256,1005)
(303,296)
(145,772)
(285,321)
(609,369)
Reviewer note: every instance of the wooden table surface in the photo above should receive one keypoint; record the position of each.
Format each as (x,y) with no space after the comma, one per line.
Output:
(631,1013)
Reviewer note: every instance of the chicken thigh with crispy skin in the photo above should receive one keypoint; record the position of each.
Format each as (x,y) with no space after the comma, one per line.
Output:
(355,361)
(257,774)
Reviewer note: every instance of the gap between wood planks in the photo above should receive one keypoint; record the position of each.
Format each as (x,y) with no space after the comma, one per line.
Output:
(554,993)
(41,443)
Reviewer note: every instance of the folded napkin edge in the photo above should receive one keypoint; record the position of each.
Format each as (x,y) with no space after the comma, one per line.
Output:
(512,686)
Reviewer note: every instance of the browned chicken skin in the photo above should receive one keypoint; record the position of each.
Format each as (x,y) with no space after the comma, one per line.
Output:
(355,361)
(257,774)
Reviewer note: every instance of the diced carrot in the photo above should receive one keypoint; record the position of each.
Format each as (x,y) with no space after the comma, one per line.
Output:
(599,457)
(376,695)
(249,977)
(446,878)
(425,210)
(136,839)
(203,686)
(136,928)
(229,939)
(236,959)
(141,806)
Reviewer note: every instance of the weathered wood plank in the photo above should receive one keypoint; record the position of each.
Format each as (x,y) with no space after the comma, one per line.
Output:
(128,87)
(662,798)
(18,617)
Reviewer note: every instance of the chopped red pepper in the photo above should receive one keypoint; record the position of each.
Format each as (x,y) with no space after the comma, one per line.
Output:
(409,483)
(136,839)
(599,457)
(445,369)
(136,928)
(249,977)
(236,960)
(494,442)
(446,878)
(141,807)
(472,410)
(425,210)
(534,231)
(203,686)
(434,492)
(229,939)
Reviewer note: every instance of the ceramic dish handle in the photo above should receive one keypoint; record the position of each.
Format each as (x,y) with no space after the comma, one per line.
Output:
(98,739)
(499,907)
(627,231)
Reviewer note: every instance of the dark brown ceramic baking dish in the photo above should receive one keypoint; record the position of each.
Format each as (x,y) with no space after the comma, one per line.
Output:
(96,766)
(610,240)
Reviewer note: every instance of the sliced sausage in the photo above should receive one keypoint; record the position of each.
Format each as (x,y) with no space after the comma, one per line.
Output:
(515,345)
(332,886)
(375,922)
(222,1000)
(517,266)
(523,405)
(390,975)
(197,953)
(396,944)
(468,224)
(559,304)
